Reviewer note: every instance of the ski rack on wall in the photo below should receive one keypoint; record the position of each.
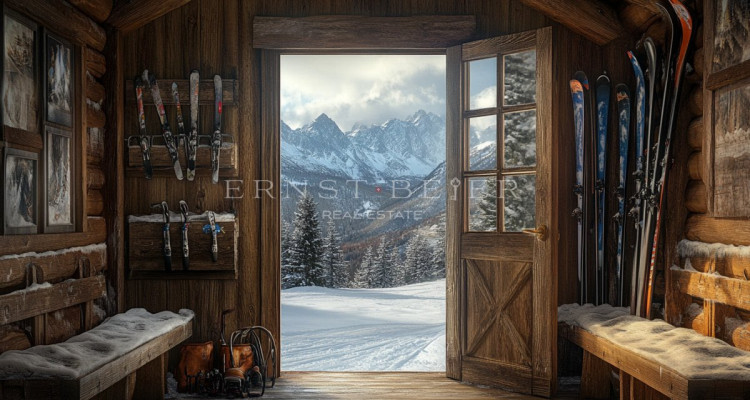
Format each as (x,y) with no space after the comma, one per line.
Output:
(160,160)
(145,243)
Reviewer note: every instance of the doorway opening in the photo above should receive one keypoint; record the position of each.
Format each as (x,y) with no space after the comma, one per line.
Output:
(363,212)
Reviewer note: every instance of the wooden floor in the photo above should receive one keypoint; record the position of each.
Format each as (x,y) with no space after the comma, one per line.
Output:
(379,385)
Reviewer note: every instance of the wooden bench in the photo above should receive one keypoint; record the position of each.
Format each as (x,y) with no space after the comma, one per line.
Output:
(653,358)
(125,354)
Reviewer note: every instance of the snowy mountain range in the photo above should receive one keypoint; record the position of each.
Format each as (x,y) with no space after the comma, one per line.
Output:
(397,149)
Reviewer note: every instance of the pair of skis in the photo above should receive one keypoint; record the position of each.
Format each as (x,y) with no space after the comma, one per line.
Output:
(653,197)
(166,241)
(591,186)
(190,139)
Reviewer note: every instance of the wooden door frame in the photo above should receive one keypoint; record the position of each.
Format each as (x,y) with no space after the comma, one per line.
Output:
(331,35)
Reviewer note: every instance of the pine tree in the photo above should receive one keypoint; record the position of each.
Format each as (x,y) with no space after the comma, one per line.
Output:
(418,261)
(382,265)
(306,249)
(362,278)
(289,277)
(438,258)
(333,258)
(485,218)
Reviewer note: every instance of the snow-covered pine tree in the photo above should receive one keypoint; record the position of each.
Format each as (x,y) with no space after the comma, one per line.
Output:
(289,277)
(362,278)
(333,258)
(306,248)
(418,261)
(485,218)
(382,265)
(438,258)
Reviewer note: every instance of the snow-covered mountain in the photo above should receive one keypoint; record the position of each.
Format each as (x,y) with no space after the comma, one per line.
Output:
(396,149)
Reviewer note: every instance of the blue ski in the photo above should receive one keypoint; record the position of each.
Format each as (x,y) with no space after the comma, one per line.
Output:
(576,91)
(603,88)
(623,111)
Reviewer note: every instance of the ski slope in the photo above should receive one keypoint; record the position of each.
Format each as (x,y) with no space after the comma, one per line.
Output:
(395,329)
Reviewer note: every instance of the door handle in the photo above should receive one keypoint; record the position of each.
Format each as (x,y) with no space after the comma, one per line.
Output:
(540,232)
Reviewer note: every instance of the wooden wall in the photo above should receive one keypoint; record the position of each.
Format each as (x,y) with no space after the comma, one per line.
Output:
(216,37)
(45,316)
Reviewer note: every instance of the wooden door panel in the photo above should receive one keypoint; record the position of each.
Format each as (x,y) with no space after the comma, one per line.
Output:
(498,303)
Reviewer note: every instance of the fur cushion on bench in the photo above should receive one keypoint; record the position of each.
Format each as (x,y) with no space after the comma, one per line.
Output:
(689,353)
(87,352)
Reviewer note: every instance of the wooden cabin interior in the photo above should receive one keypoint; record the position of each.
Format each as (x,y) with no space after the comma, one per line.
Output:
(64,275)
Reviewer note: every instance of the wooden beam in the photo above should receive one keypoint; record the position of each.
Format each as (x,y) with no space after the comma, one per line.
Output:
(95,91)
(16,244)
(695,166)
(594,20)
(53,267)
(94,202)
(95,118)
(695,134)
(729,291)
(95,178)
(696,199)
(96,9)
(95,63)
(62,18)
(702,228)
(130,15)
(26,304)
(358,32)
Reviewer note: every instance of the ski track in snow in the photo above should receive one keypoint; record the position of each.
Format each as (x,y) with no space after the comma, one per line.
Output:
(394,329)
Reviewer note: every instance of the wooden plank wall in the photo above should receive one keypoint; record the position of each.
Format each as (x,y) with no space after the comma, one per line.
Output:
(53,321)
(216,37)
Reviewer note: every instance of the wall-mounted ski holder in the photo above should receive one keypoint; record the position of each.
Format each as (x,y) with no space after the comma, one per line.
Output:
(160,160)
(145,253)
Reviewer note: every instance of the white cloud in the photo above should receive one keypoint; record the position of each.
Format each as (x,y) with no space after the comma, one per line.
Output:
(360,88)
(487,98)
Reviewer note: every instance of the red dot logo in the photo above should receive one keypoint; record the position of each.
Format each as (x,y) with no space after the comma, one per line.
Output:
(378,189)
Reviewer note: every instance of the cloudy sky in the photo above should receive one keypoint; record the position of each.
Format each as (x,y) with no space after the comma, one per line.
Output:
(367,89)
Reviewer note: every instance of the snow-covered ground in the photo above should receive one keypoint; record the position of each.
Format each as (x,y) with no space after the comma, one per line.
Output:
(395,329)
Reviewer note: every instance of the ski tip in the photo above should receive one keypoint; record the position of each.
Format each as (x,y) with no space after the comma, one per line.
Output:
(174,86)
(580,76)
(575,86)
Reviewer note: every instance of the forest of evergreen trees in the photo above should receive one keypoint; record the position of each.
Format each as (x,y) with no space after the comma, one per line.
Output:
(311,256)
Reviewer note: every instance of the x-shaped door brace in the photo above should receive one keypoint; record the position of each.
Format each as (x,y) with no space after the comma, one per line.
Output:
(497,308)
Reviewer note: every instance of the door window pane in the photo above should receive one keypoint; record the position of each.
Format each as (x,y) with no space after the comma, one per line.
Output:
(482,200)
(483,143)
(483,83)
(519,81)
(520,139)
(519,195)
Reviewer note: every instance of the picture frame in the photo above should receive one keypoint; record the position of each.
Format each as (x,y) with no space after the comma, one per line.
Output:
(59,77)
(20,191)
(59,180)
(20,82)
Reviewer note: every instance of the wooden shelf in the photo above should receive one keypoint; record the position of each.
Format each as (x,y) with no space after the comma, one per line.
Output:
(205,93)
(162,163)
(145,243)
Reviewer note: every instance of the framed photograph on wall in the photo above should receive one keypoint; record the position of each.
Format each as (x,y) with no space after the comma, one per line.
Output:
(20,88)
(20,182)
(59,201)
(58,78)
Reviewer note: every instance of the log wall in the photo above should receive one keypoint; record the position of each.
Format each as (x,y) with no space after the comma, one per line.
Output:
(40,317)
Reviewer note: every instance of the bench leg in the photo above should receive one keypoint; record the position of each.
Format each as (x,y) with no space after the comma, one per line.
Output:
(122,390)
(151,381)
(625,382)
(595,377)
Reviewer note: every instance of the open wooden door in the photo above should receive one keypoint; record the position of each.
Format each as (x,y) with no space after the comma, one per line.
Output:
(501,289)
